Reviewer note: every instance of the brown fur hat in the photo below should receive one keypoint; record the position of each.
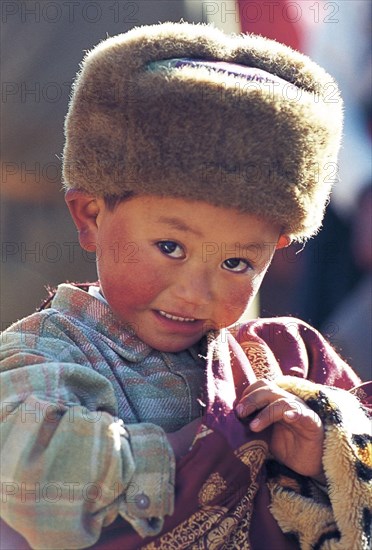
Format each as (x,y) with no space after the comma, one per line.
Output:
(187,111)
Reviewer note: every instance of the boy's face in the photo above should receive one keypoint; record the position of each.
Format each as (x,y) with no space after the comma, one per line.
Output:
(174,269)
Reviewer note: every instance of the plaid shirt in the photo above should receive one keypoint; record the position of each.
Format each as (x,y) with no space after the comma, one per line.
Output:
(85,406)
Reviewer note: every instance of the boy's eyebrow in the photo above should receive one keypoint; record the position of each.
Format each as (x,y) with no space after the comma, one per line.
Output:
(251,246)
(245,250)
(179,224)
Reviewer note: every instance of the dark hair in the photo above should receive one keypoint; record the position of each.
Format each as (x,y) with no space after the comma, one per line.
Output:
(112,201)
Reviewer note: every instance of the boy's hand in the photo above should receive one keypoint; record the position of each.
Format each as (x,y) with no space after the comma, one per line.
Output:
(182,439)
(297,431)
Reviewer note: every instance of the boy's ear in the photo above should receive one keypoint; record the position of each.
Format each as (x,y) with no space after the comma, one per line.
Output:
(84,209)
(283,242)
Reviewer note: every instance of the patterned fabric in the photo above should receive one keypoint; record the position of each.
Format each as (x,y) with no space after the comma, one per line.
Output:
(69,373)
(344,518)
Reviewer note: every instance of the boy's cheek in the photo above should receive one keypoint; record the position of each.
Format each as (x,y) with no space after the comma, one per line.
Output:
(234,305)
(129,285)
(238,299)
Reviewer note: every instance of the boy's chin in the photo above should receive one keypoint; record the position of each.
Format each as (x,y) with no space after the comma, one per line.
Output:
(174,345)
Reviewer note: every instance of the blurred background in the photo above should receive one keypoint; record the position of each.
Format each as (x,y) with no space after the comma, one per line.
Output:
(327,283)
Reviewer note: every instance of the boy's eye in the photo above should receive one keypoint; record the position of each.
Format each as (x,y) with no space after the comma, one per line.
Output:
(172,249)
(237,265)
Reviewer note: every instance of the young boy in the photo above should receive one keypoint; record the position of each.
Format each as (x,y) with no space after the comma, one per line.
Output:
(132,417)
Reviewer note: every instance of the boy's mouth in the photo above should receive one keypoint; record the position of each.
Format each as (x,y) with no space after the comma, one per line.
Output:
(176,317)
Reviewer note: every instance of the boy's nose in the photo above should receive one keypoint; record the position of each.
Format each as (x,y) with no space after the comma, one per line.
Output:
(194,288)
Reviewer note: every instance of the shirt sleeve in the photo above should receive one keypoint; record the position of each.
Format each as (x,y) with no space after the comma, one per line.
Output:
(64,453)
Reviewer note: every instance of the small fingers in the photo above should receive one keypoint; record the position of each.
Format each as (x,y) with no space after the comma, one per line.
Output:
(290,411)
(275,405)
(257,396)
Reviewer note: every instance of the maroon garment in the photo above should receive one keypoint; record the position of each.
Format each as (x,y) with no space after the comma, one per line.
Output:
(220,494)
(274,347)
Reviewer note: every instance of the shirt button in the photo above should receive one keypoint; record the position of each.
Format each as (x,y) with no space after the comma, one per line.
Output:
(142,501)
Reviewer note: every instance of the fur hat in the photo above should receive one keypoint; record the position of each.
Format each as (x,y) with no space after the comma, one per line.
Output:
(187,111)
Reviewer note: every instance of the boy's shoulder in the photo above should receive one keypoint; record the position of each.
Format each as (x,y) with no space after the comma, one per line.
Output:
(73,325)
(51,321)
(61,332)
(68,295)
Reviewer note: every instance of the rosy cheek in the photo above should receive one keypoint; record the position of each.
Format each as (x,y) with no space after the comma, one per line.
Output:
(140,286)
(137,284)
(236,300)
